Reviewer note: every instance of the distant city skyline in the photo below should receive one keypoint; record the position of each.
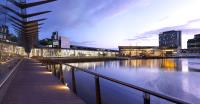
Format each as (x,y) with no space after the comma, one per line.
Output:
(113,23)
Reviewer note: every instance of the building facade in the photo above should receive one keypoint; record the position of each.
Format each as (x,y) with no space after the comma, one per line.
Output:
(59,41)
(4,32)
(73,52)
(170,40)
(194,43)
(140,51)
(64,42)
(55,40)
(6,24)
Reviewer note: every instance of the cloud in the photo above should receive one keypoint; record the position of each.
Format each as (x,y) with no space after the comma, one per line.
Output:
(68,14)
(84,43)
(184,28)
(137,38)
(148,35)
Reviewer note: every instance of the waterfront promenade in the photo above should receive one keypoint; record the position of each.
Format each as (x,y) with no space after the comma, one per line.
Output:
(33,84)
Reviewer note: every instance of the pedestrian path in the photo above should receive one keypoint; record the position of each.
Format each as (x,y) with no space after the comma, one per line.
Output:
(33,84)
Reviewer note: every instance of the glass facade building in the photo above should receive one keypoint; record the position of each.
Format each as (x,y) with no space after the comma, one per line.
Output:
(7,23)
(170,40)
(9,50)
(10,17)
(54,52)
(147,51)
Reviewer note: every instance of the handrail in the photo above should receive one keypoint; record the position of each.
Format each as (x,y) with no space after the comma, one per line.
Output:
(10,73)
(146,91)
(166,97)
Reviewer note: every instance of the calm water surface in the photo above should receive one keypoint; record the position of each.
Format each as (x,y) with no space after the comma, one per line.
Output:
(174,77)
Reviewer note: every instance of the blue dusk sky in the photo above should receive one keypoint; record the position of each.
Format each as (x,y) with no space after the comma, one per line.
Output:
(110,23)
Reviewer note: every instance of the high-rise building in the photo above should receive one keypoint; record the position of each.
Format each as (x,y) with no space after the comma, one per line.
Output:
(4,32)
(54,35)
(59,41)
(170,39)
(4,29)
(55,40)
(194,43)
(64,42)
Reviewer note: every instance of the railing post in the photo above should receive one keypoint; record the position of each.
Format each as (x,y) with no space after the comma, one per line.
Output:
(61,74)
(50,67)
(47,65)
(58,72)
(54,69)
(98,91)
(146,98)
(73,80)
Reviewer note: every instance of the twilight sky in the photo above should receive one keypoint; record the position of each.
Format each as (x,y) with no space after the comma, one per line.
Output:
(110,23)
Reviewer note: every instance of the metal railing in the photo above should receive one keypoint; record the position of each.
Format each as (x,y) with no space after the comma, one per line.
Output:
(4,84)
(97,76)
(10,73)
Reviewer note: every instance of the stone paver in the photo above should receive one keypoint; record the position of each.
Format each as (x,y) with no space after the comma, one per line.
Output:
(33,84)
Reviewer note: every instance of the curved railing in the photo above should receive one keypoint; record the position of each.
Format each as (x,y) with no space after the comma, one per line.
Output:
(147,92)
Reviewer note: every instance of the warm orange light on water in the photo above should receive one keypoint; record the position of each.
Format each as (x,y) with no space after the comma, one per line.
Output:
(169,64)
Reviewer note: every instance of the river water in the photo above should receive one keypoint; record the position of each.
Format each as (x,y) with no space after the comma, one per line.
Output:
(178,78)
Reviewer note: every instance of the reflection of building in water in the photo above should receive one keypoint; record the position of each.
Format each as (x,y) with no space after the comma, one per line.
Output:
(172,64)
(88,65)
(184,65)
(96,65)
(150,63)
(166,64)
(194,65)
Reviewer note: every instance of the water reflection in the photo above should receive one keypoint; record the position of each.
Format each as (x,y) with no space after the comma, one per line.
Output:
(184,65)
(174,77)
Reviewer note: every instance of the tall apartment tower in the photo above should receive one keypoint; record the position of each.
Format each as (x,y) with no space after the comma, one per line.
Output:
(55,40)
(170,39)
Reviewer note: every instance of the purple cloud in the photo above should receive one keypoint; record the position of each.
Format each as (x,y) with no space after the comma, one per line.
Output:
(84,43)
(72,13)
(137,38)
(184,28)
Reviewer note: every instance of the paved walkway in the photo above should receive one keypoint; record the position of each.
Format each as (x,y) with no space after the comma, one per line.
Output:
(33,84)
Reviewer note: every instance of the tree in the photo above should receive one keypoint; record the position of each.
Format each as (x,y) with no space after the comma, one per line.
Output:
(46,42)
